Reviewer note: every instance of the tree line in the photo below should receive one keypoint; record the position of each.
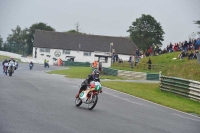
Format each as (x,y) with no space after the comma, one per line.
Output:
(144,32)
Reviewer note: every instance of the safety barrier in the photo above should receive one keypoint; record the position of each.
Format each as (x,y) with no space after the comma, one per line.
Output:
(70,63)
(131,74)
(109,71)
(188,88)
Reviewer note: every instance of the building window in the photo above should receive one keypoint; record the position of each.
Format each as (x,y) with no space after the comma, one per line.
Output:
(87,53)
(66,51)
(46,50)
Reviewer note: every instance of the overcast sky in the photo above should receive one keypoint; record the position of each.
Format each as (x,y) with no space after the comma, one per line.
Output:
(101,17)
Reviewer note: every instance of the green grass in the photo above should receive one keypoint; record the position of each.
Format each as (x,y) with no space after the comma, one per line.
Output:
(81,72)
(151,92)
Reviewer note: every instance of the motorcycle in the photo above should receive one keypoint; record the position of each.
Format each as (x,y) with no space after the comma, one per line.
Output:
(5,68)
(31,66)
(11,67)
(16,65)
(90,95)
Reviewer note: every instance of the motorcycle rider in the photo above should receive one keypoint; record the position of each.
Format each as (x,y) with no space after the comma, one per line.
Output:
(5,61)
(92,77)
(11,60)
(31,64)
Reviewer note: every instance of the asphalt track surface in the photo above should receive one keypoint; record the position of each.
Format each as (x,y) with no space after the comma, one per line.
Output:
(37,102)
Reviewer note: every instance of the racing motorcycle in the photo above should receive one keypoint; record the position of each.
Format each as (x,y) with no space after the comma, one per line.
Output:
(90,95)
(5,68)
(11,67)
(30,66)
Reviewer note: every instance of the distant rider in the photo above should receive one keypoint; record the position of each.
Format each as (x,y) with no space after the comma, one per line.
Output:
(93,77)
(11,60)
(3,64)
(31,65)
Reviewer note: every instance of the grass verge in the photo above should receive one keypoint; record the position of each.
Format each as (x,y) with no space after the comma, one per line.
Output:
(152,92)
(2,58)
(81,72)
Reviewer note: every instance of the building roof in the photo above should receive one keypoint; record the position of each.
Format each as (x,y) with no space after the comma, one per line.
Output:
(83,42)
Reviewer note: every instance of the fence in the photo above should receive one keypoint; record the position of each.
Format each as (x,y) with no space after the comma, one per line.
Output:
(131,74)
(188,88)
(71,63)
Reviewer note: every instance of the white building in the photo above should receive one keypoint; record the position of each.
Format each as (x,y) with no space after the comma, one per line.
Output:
(75,47)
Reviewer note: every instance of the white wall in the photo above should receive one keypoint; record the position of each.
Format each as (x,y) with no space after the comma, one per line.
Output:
(124,57)
(79,56)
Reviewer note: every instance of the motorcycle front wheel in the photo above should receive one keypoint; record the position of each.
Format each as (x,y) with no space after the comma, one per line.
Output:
(93,102)
(78,102)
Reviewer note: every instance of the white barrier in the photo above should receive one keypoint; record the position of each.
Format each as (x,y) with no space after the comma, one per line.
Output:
(23,59)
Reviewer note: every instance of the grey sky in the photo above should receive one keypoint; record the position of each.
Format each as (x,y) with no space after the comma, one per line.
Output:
(101,17)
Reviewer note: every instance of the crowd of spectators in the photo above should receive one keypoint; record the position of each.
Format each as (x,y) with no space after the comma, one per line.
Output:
(187,48)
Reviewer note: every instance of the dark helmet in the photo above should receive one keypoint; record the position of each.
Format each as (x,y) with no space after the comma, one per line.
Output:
(95,74)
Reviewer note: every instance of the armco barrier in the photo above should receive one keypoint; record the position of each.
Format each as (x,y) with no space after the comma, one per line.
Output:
(70,63)
(152,76)
(109,71)
(188,88)
(131,74)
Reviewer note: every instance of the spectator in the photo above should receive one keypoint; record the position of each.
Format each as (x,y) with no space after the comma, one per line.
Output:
(149,63)
(131,61)
(137,52)
(195,54)
(182,54)
(170,47)
(116,57)
(175,47)
(95,64)
(191,55)
(180,46)
(185,46)
(137,60)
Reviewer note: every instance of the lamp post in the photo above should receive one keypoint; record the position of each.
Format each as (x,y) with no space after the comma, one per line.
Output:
(111,44)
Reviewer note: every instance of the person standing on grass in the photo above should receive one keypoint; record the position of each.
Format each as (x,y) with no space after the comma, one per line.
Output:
(149,63)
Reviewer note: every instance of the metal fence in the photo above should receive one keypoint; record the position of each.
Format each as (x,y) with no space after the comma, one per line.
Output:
(71,63)
(132,74)
(188,88)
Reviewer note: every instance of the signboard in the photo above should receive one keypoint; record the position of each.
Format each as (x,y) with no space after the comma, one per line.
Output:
(57,53)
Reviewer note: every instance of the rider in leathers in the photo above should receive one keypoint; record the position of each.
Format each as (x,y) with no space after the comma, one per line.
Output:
(11,60)
(93,77)
(5,61)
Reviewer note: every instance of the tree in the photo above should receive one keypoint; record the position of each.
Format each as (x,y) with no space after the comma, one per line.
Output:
(77,25)
(146,31)
(17,40)
(1,43)
(71,31)
(197,22)
(31,32)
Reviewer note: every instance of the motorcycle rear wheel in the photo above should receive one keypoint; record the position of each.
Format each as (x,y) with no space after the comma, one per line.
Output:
(93,102)
(10,73)
(78,102)
(5,71)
